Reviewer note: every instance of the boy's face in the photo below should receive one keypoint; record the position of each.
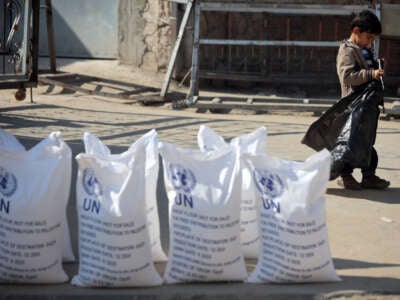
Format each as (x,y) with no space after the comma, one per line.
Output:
(363,39)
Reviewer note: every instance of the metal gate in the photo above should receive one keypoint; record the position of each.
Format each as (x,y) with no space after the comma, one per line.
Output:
(19,44)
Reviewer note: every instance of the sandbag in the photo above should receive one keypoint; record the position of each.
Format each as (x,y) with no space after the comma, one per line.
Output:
(94,146)
(34,191)
(252,143)
(114,242)
(203,190)
(10,143)
(294,243)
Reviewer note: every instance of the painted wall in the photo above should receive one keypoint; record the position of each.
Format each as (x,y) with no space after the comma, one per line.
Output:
(83,28)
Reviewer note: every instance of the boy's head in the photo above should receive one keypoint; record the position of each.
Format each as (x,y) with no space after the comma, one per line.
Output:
(365,27)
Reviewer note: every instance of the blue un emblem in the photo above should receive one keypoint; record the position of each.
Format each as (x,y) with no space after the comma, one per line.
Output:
(270,185)
(90,183)
(182,179)
(8,183)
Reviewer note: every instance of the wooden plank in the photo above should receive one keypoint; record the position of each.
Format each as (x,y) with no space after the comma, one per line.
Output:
(176,49)
(86,78)
(262,107)
(257,99)
(34,42)
(60,76)
(180,1)
(72,87)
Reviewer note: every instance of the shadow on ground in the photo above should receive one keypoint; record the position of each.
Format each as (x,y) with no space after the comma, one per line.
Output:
(350,285)
(343,264)
(389,196)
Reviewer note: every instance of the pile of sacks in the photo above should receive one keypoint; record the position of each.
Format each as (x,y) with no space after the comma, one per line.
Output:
(227,202)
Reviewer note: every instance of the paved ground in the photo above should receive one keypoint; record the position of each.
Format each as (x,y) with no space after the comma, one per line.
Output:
(364,226)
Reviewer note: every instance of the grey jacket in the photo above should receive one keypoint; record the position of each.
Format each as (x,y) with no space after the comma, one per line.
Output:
(351,67)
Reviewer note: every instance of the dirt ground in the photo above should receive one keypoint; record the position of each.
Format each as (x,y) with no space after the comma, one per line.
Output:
(364,226)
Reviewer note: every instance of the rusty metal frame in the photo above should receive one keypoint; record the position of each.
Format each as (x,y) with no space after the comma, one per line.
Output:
(29,74)
(282,9)
(171,65)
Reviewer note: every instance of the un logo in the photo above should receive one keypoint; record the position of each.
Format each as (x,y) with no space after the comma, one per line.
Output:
(182,179)
(8,183)
(270,185)
(90,183)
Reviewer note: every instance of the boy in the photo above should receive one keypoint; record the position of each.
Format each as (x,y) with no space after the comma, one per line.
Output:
(355,66)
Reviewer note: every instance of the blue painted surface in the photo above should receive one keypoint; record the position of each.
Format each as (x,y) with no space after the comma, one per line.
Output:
(82,28)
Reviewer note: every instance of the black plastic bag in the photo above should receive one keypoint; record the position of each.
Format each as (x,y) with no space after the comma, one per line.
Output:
(348,128)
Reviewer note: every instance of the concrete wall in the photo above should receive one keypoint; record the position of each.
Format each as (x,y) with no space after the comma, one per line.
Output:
(144,34)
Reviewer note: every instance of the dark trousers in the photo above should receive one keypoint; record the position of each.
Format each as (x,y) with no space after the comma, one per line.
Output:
(369,170)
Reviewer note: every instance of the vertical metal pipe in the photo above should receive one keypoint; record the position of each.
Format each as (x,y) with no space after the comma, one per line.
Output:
(50,36)
(175,49)
(378,8)
(35,40)
(174,22)
(27,34)
(4,37)
(194,81)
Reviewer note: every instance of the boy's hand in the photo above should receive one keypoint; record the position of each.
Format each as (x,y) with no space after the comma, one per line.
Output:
(378,73)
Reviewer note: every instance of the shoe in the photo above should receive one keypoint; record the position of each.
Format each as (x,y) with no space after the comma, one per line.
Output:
(374,182)
(349,183)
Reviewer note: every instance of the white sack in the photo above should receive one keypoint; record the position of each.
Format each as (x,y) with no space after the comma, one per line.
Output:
(10,143)
(294,235)
(253,143)
(114,242)
(34,190)
(95,147)
(203,190)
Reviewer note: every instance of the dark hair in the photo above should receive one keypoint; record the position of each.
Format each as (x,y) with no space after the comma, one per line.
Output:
(367,21)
